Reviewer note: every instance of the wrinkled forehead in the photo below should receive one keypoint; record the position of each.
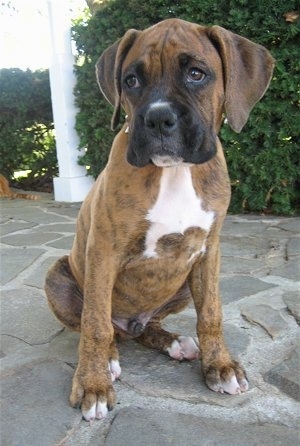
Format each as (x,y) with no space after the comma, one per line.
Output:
(163,44)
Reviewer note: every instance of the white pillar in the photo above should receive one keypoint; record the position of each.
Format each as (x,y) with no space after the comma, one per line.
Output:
(72,184)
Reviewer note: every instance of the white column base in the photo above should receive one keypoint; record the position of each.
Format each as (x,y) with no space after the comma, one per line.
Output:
(72,190)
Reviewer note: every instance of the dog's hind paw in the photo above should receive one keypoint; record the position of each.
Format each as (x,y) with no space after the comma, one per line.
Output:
(185,347)
(114,368)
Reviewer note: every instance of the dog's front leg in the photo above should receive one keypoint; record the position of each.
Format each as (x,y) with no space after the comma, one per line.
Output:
(92,384)
(221,372)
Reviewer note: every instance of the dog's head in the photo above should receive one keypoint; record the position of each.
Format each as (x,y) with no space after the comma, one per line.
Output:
(175,80)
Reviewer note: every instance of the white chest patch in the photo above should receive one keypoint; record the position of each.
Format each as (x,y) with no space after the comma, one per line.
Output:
(176,209)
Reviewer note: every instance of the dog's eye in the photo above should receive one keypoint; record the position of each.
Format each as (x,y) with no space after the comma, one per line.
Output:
(132,81)
(195,75)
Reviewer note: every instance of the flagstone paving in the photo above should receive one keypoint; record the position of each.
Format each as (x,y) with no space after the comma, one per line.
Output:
(159,401)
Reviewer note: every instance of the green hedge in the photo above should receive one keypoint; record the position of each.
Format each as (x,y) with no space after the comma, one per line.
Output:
(26,124)
(263,159)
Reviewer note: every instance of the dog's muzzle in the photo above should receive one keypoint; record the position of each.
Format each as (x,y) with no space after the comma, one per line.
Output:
(168,134)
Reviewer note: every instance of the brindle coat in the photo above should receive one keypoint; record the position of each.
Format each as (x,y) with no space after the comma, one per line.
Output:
(108,284)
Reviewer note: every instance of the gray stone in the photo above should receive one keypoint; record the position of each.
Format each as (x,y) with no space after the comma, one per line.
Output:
(16,260)
(286,375)
(237,287)
(136,426)
(242,228)
(290,224)
(265,316)
(30,212)
(58,227)
(237,340)
(33,239)
(292,301)
(69,210)
(152,373)
(247,247)
(37,278)
(290,270)
(234,265)
(35,404)
(25,315)
(293,247)
(65,347)
(64,243)
(13,226)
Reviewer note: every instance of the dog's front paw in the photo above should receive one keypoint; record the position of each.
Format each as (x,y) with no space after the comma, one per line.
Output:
(227,379)
(185,347)
(94,393)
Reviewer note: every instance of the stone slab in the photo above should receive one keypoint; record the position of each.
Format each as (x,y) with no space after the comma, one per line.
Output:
(25,315)
(37,278)
(237,339)
(290,270)
(31,212)
(30,239)
(265,316)
(64,243)
(242,228)
(35,407)
(237,287)
(247,247)
(286,375)
(233,265)
(153,374)
(14,261)
(12,226)
(293,247)
(290,224)
(64,228)
(146,427)
(292,301)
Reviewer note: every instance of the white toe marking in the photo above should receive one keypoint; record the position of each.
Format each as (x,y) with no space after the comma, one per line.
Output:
(184,348)
(98,411)
(102,410)
(89,415)
(232,386)
(115,369)
(244,385)
(189,347)
(175,351)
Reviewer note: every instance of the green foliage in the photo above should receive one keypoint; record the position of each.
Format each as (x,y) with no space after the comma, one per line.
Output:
(263,159)
(26,124)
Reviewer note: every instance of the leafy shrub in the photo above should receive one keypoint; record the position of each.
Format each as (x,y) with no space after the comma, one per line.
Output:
(26,124)
(263,159)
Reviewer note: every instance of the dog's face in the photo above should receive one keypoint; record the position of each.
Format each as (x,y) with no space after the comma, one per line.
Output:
(174,81)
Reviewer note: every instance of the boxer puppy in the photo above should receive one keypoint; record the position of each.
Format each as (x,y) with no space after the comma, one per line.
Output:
(147,238)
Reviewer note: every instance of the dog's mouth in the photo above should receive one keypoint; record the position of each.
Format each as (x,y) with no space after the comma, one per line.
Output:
(166,160)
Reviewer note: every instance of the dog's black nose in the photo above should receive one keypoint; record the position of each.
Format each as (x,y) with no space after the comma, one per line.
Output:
(161,119)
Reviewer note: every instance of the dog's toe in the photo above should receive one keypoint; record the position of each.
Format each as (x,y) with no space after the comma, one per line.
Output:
(231,380)
(115,369)
(185,347)
(98,410)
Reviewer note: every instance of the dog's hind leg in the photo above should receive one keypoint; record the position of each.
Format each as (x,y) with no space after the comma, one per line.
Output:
(176,346)
(64,296)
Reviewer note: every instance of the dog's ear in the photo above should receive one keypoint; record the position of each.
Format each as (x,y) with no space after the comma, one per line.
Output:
(109,70)
(247,69)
